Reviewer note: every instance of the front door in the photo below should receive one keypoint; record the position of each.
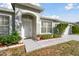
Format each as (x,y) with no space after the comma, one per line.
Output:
(27,25)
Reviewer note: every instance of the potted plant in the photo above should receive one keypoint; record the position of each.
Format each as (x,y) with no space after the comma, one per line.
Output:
(38,37)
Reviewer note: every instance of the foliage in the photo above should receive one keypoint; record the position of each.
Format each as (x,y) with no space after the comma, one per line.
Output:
(48,36)
(59,29)
(10,39)
(56,35)
(75,29)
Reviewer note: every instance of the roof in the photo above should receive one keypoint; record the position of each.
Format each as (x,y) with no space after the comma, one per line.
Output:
(6,10)
(6,7)
(53,19)
(33,6)
(37,4)
(50,18)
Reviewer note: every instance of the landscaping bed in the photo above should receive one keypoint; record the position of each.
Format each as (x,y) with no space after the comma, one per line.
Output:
(47,36)
(17,49)
(11,39)
(63,49)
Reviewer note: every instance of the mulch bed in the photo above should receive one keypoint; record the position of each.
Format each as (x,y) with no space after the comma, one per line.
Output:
(2,46)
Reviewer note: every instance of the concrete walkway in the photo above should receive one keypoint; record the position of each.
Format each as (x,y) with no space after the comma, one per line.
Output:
(32,45)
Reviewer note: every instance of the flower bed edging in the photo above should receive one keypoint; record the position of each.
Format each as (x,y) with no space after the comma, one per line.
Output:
(12,46)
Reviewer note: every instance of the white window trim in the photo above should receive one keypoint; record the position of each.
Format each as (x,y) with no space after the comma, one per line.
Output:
(46,27)
(10,21)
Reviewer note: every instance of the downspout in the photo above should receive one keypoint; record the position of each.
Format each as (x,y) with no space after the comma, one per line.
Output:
(13,17)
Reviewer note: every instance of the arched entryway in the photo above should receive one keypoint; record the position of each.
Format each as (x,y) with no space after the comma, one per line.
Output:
(29,25)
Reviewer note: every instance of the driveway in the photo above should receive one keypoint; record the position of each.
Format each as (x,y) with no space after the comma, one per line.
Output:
(32,45)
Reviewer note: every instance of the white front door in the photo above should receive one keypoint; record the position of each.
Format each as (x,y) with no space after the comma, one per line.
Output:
(27,25)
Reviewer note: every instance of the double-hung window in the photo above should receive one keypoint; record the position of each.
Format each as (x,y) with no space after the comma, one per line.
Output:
(4,25)
(46,26)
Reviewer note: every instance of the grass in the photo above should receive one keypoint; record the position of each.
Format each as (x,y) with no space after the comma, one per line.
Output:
(64,49)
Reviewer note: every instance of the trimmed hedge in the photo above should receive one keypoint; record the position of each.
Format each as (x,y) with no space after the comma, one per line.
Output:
(75,29)
(10,39)
(48,36)
(56,35)
(59,29)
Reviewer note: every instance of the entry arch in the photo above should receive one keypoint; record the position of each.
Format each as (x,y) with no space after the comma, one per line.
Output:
(29,25)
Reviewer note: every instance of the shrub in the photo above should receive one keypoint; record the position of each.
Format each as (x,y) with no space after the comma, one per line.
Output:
(10,39)
(56,35)
(48,36)
(59,29)
(75,29)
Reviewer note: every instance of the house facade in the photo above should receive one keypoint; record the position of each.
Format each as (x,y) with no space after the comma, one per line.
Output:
(6,20)
(25,18)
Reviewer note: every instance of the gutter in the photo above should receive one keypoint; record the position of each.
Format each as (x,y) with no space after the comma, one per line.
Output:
(6,10)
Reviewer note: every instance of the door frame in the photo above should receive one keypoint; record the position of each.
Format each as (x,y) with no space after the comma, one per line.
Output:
(27,25)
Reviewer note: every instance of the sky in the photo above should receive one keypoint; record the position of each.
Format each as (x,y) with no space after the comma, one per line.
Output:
(6,5)
(62,11)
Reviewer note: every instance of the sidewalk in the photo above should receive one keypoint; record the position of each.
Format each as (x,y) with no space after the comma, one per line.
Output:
(31,45)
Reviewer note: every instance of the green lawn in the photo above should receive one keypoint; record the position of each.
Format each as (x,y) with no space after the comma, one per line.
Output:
(63,49)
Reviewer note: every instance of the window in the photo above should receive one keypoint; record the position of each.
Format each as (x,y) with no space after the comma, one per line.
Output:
(4,25)
(46,26)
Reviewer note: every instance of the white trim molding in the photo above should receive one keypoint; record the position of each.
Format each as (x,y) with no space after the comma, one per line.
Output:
(10,21)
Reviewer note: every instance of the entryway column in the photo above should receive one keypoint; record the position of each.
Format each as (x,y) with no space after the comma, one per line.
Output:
(18,22)
(38,25)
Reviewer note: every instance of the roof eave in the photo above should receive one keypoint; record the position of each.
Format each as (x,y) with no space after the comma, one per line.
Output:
(48,18)
(7,10)
(31,6)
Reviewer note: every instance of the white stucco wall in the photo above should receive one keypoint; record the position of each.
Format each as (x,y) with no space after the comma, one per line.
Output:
(37,20)
(53,24)
(38,25)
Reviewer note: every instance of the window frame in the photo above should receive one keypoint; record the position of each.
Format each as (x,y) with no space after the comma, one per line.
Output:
(10,23)
(47,21)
